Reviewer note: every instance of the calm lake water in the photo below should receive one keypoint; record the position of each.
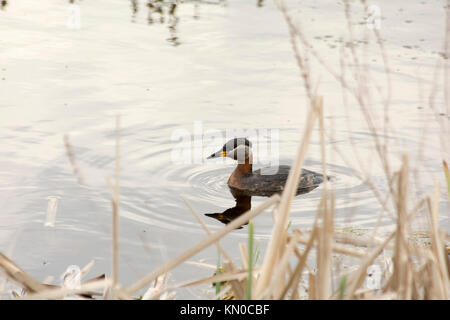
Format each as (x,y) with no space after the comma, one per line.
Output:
(198,68)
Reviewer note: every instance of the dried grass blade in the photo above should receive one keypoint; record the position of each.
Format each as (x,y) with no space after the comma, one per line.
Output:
(278,230)
(357,279)
(16,274)
(203,244)
(208,232)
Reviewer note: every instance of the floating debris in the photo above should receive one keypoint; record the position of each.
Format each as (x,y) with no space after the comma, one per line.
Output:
(51,211)
(71,278)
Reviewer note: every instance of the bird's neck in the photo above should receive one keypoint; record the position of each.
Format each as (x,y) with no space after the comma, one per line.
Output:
(241,170)
(244,168)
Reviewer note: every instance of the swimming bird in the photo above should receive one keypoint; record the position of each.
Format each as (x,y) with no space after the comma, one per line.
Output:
(259,182)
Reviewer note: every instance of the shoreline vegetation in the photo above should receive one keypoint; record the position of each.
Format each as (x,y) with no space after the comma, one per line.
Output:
(416,264)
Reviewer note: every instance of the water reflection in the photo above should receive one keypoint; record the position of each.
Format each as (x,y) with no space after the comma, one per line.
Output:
(243,204)
(157,11)
(161,11)
(3,4)
(155,8)
(135,9)
(173,21)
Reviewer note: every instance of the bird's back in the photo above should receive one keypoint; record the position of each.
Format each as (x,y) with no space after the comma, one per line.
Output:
(265,182)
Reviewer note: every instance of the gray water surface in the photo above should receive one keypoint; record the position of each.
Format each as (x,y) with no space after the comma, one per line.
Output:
(219,64)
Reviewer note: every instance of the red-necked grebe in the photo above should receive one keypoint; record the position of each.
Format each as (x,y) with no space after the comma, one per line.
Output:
(250,182)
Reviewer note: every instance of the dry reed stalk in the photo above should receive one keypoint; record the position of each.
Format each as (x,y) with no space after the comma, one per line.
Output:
(279,229)
(326,211)
(16,274)
(224,294)
(202,264)
(115,214)
(358,253)
(298,271)
(358,278)
(416,285)
(421,280)
(72,159)
(435,284)
(438,245)
(325,248)
(154,291)
(244,255)
(275,288)
(238,275)
(199,219)
(203,244)
(294,277)
(86,268)
(401,261)
(417,250)
(431,270)
(312,294)
(62,292)
(357,241)
(236,285)
(417,207)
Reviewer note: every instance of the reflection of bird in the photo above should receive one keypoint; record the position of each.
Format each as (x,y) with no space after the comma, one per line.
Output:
(243,204)
(261,182)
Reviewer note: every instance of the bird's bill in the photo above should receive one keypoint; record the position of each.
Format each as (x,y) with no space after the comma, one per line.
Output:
(218,154)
